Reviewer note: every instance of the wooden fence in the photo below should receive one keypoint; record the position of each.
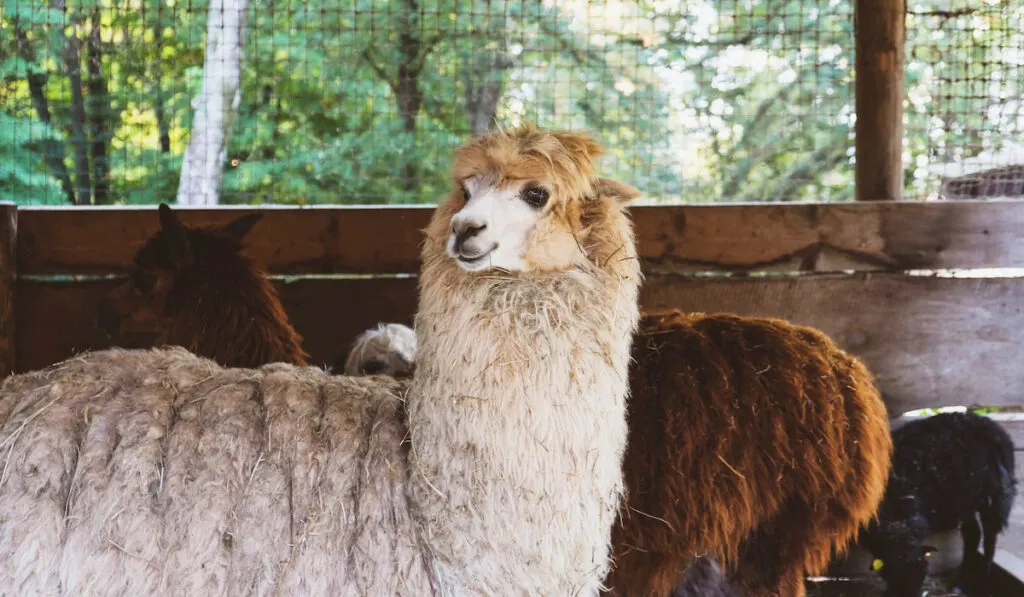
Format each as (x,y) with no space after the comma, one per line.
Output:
(931,341)
(853,270)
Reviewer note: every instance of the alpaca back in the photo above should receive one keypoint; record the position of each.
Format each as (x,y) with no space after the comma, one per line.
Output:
(157,472)
(744,433)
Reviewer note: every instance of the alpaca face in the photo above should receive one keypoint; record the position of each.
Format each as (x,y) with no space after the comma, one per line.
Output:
(518,201)
(390,350)
(495,227)
(139,312)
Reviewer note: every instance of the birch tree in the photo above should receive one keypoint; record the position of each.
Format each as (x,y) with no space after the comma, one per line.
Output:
(217,105)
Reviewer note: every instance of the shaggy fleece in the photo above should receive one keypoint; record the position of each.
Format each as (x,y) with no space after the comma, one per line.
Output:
(160,473)
(753,440)
(518,413)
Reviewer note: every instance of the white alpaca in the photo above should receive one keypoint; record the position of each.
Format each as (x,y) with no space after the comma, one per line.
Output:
(389,349)
(494,471)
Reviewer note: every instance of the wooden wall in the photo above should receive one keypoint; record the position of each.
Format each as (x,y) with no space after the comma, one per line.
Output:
(931,341)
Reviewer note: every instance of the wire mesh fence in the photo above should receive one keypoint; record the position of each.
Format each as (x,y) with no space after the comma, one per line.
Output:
(965,92)
(362,101)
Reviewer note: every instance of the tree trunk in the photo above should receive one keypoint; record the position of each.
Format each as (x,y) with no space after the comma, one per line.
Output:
(160,101)
(270,152)
(99,114)
(407,88)
(484,82)
(413,51)
(53,150)
(163,127)
(217,105)
(79,139)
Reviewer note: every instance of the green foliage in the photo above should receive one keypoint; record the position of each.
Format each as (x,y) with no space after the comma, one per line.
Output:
(363,102)
(22,174)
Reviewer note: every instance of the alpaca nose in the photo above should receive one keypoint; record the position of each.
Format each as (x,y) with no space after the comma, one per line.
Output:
(465,230)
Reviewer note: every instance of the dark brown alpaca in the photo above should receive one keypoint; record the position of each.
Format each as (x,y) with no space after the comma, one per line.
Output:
(751,440)
(193,287)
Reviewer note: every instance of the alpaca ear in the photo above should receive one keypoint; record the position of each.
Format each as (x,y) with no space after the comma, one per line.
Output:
(241,226)
(579,145)
(606,187)
(179,249)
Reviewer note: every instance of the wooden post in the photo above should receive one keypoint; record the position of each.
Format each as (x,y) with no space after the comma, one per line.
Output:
(8,279)
(880,42)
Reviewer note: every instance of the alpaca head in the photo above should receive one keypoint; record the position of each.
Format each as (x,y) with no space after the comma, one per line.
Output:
(389,349)
(169,265)
(520,201)
(896,540)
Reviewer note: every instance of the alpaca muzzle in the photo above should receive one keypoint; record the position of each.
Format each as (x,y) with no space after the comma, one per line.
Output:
(464,231)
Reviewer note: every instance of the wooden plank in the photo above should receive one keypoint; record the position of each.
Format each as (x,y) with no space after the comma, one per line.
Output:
(331,313)
(766,237)
(60,317)
(8,282)
(880,40)
(930,341)
(925,339)
(1015,429)
(1007,574)
(288,240)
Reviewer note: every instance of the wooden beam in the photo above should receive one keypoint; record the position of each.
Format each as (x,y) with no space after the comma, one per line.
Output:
(929,341)
(8,282)
(880,46)
(873,236)
(925,339)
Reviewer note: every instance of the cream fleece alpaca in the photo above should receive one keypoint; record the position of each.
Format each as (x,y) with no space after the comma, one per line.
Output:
(161,473)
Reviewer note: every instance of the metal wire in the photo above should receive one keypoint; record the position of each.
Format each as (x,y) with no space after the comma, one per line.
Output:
(362,101)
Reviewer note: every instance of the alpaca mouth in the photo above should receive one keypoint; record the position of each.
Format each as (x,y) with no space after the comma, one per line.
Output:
(475,259)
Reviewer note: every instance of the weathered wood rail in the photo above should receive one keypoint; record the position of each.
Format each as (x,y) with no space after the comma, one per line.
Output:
(932,341)
(858,271)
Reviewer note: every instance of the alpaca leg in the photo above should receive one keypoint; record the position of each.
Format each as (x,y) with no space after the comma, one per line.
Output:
(792,583)
(771,562)
(765,570)
(651,574)
(971,532)
(992,524)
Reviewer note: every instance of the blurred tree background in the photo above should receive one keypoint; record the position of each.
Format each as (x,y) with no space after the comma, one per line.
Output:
(362,101)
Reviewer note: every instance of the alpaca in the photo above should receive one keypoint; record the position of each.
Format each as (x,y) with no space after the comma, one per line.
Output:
(160,472)
(973,480)
(193,287)
(752,440)
(389,349)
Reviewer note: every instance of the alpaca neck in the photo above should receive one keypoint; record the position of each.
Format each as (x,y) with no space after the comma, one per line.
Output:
(234,317)
(517,425)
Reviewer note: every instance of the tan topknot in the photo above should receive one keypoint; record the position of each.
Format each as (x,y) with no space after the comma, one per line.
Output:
(526,152)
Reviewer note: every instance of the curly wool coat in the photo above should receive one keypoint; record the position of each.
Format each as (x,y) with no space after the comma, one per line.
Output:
(753,440)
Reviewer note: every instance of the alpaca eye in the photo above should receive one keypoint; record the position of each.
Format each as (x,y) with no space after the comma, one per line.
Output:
(535,197)
(143,282)
(465,194)
(373,367)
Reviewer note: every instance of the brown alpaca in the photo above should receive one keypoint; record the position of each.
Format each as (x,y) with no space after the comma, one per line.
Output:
(752,440)
(193,287)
